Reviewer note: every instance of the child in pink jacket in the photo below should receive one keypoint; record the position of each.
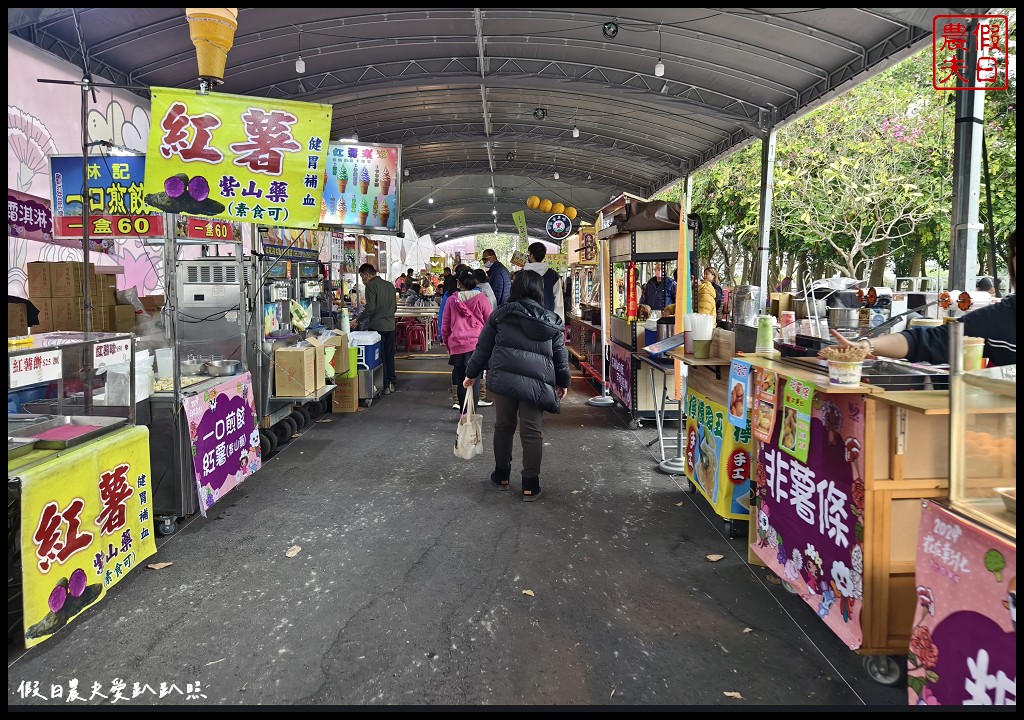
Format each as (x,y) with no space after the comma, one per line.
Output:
(465,313)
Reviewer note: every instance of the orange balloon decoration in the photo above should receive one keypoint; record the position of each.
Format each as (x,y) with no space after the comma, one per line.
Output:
(533,202)
(545,206)
(558,208)
(570,212)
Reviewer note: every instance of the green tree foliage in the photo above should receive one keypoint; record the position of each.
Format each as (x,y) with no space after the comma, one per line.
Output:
(862,182)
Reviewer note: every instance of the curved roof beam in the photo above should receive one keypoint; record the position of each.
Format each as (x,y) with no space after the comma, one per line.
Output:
(598,180)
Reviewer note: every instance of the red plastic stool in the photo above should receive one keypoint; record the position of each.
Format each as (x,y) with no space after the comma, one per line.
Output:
(417,338)
(402,334)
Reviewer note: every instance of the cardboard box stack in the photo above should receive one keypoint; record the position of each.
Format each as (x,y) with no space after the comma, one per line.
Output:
(57,289)
(295,371)
(17,320)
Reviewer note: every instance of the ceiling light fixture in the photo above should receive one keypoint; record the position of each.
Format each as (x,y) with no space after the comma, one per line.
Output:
(494,212)
(430,201)
(556,175)
(589,176)
(510,156)
(540,113)
(490,191)
(300,64)
(659,68)
(610,29)
(407,172)
(575,131)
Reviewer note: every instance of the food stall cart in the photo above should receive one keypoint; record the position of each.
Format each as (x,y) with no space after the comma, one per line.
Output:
(635,256)
(718,443)
(79,484)
(963,638)
(841,474)
(584,312)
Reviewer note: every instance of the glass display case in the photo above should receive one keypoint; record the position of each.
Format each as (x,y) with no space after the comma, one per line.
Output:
(66,389)
(983,446)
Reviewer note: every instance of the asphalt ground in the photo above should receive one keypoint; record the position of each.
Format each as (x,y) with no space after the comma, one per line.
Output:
(420,584)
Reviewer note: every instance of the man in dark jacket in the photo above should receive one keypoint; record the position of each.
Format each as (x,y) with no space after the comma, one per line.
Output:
(497,276)
(523,348)
(380,309)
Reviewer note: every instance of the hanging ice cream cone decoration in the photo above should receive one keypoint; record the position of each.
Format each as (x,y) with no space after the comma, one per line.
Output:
(212,31)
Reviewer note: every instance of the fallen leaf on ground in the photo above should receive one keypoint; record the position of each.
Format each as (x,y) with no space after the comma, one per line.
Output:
(747,630)
(293,551)
(159,565)
(679,504)
(575,492)
(295,436)
(714,557)
(773,580)
(215,662)
(528,592)
(612,695)
(325,420)
(732,694)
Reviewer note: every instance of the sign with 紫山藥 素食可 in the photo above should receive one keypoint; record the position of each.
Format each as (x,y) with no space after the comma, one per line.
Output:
(86,522)
(232,157)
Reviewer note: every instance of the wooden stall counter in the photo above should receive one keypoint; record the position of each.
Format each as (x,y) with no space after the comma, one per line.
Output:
(839,522)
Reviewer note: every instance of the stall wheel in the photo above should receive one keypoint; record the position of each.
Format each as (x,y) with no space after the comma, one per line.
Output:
(327,403)
(315,410)
(636,423)
(300,418)
(733,529)
(268,443)
(886,669)
(293,427)
(167,526)
(283,431)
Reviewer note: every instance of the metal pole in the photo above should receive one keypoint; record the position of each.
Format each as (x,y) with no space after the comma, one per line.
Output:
(764,220)
(991,220)
(603,400)
(967,134)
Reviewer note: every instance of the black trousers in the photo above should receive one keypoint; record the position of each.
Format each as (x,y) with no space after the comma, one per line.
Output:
(530,418)
(387,349)
(458,375)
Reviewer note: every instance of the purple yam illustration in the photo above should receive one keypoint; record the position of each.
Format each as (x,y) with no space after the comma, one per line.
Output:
(199,188)
(78,582)
(175,185)
(58,596)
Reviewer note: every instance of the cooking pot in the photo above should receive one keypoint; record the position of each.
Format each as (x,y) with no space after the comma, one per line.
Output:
(843,317)
(803,308)
(666,327)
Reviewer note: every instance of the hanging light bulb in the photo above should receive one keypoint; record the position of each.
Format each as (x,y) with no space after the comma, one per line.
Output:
(556,175)
(490,191)
(494,212)
(407,172)
(430,201)
(575,131)
(659,68)
(300,65)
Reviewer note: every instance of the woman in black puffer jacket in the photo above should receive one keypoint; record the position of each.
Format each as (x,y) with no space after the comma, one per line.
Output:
(522,346)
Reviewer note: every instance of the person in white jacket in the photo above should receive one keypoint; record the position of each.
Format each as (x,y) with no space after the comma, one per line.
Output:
(553,299)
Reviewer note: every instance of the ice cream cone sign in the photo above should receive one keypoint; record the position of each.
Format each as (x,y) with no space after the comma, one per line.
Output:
(376,206)
(212,31)
(364,208)
(342,178)
(385,212)
(385,182)
(364,180)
